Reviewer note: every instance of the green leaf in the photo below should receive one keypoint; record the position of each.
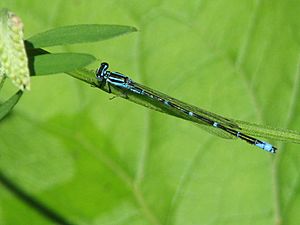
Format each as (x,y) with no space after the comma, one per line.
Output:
(2,81)
(9,104)
(78,34)
(98,161)
(59,62)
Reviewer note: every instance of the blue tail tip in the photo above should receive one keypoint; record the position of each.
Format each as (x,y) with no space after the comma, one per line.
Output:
(266,146)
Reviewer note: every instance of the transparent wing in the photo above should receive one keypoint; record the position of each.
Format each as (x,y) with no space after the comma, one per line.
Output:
(159,106)
(242,126)
(217,132)
(191,108)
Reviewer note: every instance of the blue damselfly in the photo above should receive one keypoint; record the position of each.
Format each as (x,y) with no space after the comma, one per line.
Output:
(123,86)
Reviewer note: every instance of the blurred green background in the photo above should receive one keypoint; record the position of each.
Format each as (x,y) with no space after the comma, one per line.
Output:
(69,155)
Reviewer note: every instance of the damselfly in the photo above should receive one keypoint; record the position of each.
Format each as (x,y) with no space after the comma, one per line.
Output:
(121,85)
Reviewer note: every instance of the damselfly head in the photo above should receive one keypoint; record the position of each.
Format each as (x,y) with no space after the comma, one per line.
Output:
(102,70)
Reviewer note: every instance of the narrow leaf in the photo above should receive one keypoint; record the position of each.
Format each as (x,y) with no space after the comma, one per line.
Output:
(78,34)
(7,106)
(2,80)
(268,132)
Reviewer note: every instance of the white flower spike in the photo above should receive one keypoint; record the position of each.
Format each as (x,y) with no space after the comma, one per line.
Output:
(13,58)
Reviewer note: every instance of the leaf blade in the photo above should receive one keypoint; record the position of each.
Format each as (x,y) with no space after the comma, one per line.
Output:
(79,34)
(9,104)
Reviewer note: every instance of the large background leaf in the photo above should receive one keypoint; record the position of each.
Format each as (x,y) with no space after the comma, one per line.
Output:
(96,161)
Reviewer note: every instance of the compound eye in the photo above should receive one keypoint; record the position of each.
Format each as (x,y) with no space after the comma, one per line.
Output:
(102,70)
